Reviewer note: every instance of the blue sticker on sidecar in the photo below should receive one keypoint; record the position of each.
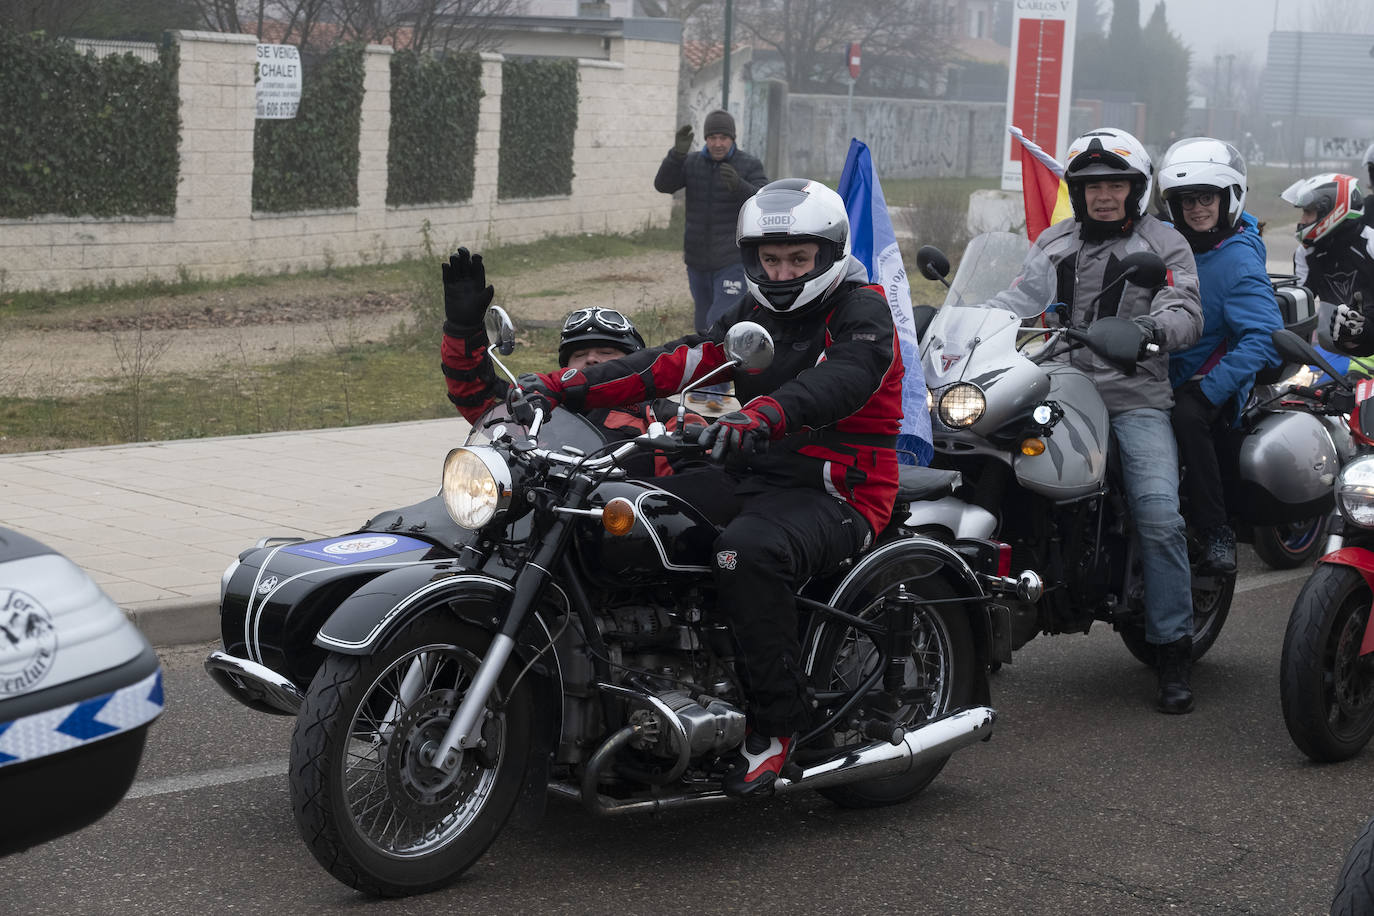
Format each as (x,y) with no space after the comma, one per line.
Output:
(356,548)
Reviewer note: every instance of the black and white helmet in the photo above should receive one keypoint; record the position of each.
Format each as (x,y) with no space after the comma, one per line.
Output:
(1108,153)
(792,211)
(1202,164)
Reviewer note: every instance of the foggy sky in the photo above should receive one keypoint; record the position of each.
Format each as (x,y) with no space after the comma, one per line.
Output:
(1210,27)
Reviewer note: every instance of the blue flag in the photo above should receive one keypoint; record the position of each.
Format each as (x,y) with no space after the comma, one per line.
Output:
(875,244)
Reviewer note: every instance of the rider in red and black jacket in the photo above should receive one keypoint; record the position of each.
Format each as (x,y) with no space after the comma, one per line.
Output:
(818,432)
(590,336)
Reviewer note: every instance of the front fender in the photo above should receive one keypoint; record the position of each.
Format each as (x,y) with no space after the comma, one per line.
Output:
(1360,559)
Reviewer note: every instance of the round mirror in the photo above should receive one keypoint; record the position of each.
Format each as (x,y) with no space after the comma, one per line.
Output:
(500,330)
(749,345)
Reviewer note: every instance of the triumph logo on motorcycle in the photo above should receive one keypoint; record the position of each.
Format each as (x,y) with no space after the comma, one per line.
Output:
(727,559)
(267,585)
(29,646)
(947,361)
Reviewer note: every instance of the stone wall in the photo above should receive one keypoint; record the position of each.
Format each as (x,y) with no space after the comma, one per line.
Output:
(626,120)
(909,138)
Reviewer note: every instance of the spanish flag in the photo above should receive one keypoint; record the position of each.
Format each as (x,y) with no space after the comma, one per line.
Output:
(1042,184)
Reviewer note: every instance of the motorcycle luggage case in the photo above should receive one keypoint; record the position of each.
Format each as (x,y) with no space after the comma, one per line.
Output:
(1286,467)
(79,686)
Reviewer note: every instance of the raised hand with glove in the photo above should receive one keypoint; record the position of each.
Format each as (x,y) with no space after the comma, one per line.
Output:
(466,293)
(746,431)
(1151,333)
(682,142)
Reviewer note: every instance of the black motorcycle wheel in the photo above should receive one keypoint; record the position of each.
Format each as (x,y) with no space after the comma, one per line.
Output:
(941,675)
(1355,887)
(373,814)
(1211,604)
(1289,546)
(1325,686)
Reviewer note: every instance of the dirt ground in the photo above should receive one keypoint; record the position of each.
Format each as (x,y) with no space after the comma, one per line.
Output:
(78,350)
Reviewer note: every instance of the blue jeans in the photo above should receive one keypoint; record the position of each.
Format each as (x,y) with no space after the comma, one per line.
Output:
(1149,466)
(714,292)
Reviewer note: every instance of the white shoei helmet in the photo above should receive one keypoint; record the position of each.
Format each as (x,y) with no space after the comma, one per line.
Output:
(1201,163)
(790,211)
(1109,152)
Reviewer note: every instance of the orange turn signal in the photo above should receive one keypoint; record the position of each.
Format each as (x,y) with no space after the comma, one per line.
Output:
(618,517)
(1032,447)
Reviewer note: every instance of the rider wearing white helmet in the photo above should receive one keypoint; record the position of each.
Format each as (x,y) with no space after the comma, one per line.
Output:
(810,472)
(1109,176)
(1202,182)
(1336,256)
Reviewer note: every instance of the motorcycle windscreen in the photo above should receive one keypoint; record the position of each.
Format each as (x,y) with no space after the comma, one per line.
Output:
(1074,463)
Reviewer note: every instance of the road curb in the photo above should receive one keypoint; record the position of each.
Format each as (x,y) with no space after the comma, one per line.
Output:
(177,622)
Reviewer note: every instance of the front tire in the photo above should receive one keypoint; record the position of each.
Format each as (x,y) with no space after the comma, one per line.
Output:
(942,675)
(1325,686)
(1289,546)
(371,809)
(1355,887)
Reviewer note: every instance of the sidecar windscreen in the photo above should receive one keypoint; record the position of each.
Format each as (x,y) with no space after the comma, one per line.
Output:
(562,428)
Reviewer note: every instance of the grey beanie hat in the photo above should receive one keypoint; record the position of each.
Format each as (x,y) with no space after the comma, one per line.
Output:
(719,122)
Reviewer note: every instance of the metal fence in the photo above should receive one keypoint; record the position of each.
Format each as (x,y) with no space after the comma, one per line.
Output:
(144,50)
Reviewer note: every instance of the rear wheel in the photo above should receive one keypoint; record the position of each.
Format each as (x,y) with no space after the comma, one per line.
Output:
(370,804)
(1291,545)
(1355,887)
(1211,604)
(1325,686)
(941,675)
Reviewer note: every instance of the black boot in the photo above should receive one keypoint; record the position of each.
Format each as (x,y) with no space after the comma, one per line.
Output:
(1175,666)
(1218,551)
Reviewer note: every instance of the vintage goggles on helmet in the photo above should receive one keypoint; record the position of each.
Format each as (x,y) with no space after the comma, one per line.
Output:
(601,318)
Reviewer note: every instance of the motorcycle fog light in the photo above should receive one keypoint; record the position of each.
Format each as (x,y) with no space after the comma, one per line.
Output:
(1355,492)
(961,405)
(475,486)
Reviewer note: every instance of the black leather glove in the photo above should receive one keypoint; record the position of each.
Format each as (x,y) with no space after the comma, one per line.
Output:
(683,141)
(1151,333)
(746,431)
(466,294)
(536,394)
(729,176)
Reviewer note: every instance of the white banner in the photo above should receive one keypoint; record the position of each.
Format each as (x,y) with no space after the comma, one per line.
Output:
(1040,80)
(277,78)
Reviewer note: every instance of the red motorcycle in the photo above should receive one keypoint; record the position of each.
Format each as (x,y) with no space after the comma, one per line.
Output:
(1326,675)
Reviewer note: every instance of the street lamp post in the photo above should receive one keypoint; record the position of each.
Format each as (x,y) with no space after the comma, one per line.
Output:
(725,61)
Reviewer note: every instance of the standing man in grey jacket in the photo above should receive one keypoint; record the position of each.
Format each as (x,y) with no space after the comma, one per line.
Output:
(718,178)
(1109,176)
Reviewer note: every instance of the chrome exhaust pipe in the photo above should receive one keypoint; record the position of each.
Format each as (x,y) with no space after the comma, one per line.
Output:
(255,686)
(937,738)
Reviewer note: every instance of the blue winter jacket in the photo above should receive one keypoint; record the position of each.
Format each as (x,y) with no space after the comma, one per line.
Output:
(1238,315)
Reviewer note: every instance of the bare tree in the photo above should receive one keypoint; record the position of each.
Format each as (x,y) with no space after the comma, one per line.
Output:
(55,17)
(418,25)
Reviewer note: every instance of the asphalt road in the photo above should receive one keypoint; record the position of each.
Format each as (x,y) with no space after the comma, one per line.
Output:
(1085,801)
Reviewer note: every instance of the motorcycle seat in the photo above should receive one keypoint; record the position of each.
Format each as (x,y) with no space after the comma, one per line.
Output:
(915,483)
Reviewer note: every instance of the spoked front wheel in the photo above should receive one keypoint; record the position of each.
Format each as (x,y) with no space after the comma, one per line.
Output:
(369,800)
(1325,686)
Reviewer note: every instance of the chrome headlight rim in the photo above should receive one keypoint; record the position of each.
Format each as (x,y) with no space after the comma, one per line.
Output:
(1355,492)
(476,485)
(961,405)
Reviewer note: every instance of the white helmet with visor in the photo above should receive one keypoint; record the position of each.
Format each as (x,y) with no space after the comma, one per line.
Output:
(793,211)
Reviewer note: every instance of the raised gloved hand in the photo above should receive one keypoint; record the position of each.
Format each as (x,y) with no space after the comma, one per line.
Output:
(746,431)
(466,294)
(729,176)
(1347,322)
(683,142)
(1151,333)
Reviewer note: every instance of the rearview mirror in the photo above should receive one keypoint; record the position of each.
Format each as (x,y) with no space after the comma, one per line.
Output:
(500,330)
(1145,268)
(932,263)
(749,345)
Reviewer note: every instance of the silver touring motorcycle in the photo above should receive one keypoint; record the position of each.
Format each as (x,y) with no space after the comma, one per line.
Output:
(545,625)
(1030,439)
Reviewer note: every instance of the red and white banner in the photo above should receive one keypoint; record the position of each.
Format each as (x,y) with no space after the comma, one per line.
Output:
(1040,81)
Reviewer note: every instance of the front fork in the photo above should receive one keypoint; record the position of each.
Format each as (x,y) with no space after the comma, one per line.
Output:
(465,731)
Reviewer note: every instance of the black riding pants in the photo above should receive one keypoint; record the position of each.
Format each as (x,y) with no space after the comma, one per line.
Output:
(776,540)
(1194,424)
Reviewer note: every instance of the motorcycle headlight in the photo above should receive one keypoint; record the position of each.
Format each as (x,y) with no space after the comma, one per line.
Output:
(476,485)
(961,405)
(1355,492)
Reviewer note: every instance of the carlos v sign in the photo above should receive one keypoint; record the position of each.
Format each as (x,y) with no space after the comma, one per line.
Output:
(1040,81)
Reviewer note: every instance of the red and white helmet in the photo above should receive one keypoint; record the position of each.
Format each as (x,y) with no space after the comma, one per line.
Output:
(1334,197)
(788,211)
(1106,153)
(1201,163)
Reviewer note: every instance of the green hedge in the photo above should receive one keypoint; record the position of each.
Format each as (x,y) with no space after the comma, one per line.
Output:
(310,162)
(538,121)
(432,149)
(86,136)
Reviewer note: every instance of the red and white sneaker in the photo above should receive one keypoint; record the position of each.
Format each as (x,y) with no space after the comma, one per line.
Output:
(760,761)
